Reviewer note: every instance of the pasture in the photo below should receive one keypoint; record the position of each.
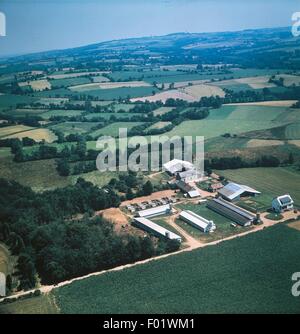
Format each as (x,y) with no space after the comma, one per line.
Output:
(75,127)
(270,181)
(156,287)
(162,110)
(68,113)
(57,83)
(113,129)
(109,85)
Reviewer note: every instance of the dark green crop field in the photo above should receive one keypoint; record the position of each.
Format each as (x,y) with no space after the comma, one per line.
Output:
(251,274)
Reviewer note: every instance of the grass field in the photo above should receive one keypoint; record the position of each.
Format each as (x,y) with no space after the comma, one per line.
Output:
(69,82)
(199,91)
(108,115)
(200,281)
(37,305)
(69,113)
(113,129)
(162,111)
(233,120)
(10,100)
(74,127)
(292,131)
(159,125)
(270,181)
(109,85)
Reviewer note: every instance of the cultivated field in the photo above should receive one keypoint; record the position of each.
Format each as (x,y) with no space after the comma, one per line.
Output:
(190,288)
(74,75)
(113,129)
(37,85)
(37,134)
(109,85)
(162,111)
(199,91)
(263,143)
(14,129)
(75,127)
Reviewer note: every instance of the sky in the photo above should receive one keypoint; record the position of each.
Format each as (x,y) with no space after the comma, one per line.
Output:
(40,25)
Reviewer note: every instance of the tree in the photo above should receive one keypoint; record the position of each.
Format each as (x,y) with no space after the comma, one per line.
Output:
(147,188)
(63,167)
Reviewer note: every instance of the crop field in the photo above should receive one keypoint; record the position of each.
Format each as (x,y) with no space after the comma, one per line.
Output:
(109,85)
(273,181)
(199,91)
(257,82)
(283,103)
(47,101)
(289,80)
(37,85)
(164,96)
(57,83)
(263,143)
(10,130)
(113,129)
(100,78)
(37,134)
(190,288)
(223,229)
(75,127)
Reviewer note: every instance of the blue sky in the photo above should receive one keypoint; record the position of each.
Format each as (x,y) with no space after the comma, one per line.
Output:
(36,25)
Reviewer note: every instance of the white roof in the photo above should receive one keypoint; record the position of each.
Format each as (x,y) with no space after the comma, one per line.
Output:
(177,165)
(233,190)
(157,228)
(196,219)
(194,193)
(153,211)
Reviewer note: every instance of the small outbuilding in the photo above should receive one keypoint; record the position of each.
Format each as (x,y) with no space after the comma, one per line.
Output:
(187,189)
(283,203)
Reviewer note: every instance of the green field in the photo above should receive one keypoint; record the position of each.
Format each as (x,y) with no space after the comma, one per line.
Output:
(57,83)
(74,127)
(10,100)
(292,131)
(113,129)
(69,113)
(231,119)
(200,281)
(270,181)
(107,115)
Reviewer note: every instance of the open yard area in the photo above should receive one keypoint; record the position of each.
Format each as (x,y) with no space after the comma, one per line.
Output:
(202,281)
(223,230)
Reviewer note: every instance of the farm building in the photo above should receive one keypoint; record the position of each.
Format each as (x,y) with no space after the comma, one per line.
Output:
(233,191)
(183,170)
(197,221)
(2,285)
(283,203)
(157,230)
(231,211)
(187,189)
(157,211)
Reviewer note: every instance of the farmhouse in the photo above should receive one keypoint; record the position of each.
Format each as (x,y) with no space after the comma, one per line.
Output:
(157,230)
(231,211)
(233,191)
(187,189)
(157,211)
(215,186)
(2,285)
(183,170)
(283,203)
(197,221)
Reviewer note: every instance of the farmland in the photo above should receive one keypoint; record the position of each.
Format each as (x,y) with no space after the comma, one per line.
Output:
(271,181)
(191,289)
(113,129)
(36,134)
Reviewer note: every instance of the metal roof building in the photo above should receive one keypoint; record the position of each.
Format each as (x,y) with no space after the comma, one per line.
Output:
(283,203)
(197,221)
(157,211)
(174,166)
(233,191)
(159,231)
(231,211)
